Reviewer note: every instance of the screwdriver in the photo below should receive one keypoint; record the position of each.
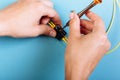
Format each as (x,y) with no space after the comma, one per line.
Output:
(80,14)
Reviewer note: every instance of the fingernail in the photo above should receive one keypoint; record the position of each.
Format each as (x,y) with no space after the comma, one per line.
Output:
(52,34)
(72,15)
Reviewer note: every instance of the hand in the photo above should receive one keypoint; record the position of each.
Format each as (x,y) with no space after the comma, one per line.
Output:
(86,46)
(28,18)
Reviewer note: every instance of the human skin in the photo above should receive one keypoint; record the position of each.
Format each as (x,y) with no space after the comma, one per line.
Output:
(28,18)
(87,44)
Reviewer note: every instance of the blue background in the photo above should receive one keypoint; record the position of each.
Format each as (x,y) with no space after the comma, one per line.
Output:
(42,58)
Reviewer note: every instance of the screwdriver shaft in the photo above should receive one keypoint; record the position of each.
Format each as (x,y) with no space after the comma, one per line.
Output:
(80,14)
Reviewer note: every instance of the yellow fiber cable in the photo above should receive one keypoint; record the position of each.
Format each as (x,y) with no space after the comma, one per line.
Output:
(65,39)
(52,24)
(113,17)
(118,3)
(115,48)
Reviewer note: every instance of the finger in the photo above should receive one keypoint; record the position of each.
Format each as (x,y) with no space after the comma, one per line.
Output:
(86,24)
(43,30)
(50,12)
(92,16)
(99,25)
(85,31)
(74,25)
(45,20)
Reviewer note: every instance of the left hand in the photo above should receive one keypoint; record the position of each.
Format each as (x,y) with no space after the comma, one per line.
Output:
(28,18)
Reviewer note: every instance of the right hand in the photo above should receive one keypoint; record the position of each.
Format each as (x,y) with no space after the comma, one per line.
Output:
(85,51)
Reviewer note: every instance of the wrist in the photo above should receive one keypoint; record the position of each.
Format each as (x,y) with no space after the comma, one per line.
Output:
(80,70)
(79,73)
(76,71)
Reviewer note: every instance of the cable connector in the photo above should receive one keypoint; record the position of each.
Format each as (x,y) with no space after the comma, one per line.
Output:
(59,30)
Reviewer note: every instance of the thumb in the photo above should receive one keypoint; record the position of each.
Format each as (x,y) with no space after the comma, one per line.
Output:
(45,30)
(74,25)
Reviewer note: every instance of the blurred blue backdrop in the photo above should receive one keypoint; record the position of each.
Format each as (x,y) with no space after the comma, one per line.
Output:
(42,58)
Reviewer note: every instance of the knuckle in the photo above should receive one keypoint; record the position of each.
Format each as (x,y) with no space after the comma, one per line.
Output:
(108,44)
(102,38)
(37,5)
(50,4)
(35,32)
(34,5)
(47,3)
(105,42)
(99,20)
